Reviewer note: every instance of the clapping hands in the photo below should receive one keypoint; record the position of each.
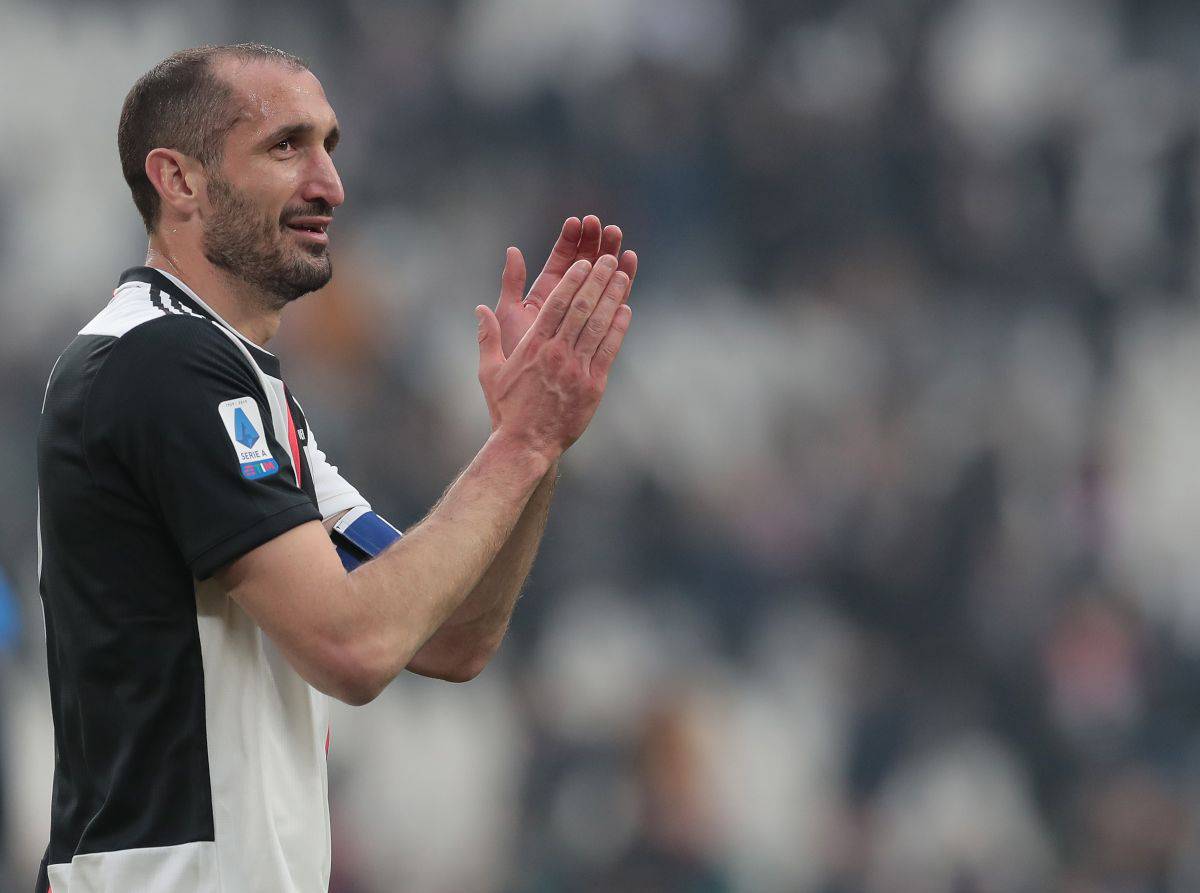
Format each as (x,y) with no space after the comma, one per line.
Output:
(579,240)
(544,389)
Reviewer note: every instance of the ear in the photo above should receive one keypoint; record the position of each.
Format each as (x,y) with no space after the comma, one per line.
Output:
(178,178)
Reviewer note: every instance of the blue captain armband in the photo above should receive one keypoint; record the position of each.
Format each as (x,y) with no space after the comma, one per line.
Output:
(360,535)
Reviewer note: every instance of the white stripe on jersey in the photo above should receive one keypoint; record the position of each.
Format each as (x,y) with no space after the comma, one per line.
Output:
(187,866)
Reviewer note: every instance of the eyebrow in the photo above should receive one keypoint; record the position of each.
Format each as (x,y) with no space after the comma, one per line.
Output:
(302,129)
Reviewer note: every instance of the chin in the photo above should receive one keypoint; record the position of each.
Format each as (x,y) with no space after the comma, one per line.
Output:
(315,280)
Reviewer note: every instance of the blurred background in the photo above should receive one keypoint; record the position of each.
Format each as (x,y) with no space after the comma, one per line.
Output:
(879,569)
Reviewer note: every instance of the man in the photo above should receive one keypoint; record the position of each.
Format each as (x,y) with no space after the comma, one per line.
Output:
(197,613)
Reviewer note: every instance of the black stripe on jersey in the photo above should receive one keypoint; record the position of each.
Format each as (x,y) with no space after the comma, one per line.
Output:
(156,298)
(162,301)
(124,659)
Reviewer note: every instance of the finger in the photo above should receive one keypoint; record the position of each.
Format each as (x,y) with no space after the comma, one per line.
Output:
(562,255)
(586,298)
(628,265)
(589,239)
(597,327)
(491,355)
(610,241)
(611,345)
(559,300)
(512,280)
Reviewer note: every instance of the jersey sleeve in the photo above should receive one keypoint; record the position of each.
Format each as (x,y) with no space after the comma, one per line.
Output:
(179,409)
(334,493)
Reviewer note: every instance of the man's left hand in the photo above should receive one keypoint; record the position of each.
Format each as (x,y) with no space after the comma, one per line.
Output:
(579,240)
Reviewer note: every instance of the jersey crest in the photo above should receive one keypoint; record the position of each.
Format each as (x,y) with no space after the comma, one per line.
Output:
(243,424)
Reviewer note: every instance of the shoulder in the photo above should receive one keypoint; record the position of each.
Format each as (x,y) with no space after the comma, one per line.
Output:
(165,381)
(135,303)
(167,367)
(158,360)
(147,313)
(145,327)
(175,351)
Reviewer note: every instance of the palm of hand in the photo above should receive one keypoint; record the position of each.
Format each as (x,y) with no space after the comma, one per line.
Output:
(579,240)
(515,318)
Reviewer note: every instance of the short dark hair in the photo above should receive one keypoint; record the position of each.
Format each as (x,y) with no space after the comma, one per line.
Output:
(182,104)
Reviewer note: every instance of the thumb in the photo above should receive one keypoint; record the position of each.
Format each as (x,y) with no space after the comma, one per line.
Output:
(491,355)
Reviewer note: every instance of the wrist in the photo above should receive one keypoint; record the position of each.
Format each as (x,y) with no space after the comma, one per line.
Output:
(521,454)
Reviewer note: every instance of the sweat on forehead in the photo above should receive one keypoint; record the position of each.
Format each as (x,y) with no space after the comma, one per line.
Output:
(264,79)
(261,88)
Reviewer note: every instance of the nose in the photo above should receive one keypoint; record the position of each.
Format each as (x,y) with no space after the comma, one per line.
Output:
(323,182)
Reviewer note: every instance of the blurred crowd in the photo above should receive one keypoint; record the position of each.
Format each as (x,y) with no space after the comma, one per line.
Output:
(878,570)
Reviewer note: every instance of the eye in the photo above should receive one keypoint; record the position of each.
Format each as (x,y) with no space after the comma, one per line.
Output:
(284,145)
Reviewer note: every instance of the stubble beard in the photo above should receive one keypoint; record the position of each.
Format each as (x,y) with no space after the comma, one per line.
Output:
(254,249)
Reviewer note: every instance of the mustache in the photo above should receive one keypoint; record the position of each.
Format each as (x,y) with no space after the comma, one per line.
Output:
(311,209)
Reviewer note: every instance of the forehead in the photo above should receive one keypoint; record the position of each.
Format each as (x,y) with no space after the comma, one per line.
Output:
(270,94)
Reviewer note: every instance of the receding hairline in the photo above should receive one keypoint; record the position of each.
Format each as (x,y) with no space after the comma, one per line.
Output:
(224,66)
(221,66)
(249,52)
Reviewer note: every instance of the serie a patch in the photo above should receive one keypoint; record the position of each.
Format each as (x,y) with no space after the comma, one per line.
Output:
(243,424)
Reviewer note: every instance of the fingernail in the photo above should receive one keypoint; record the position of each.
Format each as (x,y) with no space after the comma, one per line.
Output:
(607,261)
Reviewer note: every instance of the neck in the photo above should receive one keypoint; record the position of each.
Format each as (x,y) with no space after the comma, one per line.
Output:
(254,314)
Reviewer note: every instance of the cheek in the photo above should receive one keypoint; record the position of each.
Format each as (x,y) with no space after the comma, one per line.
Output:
(272,211)
(289,187)
(272,190)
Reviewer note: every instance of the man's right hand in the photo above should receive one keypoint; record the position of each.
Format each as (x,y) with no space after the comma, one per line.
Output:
(544,395)
(349,635)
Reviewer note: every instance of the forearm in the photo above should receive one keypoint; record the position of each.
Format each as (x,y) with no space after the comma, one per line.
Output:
(469,637)
(414,587)
(490,603)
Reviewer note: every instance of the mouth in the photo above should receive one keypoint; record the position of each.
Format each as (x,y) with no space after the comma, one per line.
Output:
(311,229)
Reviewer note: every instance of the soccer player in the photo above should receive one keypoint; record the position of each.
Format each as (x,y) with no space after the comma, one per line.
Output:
(197,613)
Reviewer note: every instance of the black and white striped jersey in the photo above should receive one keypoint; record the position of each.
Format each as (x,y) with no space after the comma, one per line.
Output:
(189,755)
